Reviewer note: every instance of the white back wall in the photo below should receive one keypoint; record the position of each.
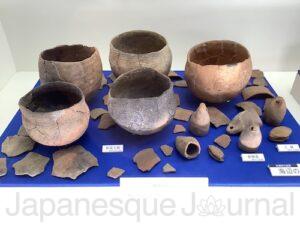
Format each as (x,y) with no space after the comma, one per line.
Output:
(270,29)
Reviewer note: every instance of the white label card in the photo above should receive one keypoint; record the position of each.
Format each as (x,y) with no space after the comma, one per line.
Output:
(257,157)
(286,170)
(288,148)
(112,148)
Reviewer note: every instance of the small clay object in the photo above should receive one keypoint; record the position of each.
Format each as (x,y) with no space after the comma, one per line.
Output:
(146,159)
(216,153)
(242,120)
(115,172)
(255,91)
(139,48)
(188,147)
(250,139)
(16,145)
(167,150)
(105,99)
(103,82)
(257,74)
(22,131)
(98,112)
(168,168)
(112,77)
(249,105)
(72,162)
(223,140)
(174,76)
(177,99)
(55,113)
(217,118)
(216,71)
(32,165)
(180,83)
(199,122)
(178,129)
(274,110)
(106,122)
(280,134)
(3,167)
(77,64)
(260,82)
(182,114)
(142,101)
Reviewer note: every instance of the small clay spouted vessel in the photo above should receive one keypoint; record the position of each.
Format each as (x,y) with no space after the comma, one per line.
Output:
(274,110)
(200,121)
(188,147)
(250,139)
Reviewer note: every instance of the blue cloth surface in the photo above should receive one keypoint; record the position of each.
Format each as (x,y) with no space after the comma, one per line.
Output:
(232,172)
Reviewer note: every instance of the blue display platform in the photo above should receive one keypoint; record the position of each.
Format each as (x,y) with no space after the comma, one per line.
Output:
(232,172)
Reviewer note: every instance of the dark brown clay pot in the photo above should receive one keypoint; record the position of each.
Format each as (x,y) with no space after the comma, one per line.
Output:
(216,71)
(139,48)
(55,113)
(76,64)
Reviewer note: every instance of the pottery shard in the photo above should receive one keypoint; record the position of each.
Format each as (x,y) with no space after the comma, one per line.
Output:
(168,168)
(187,146)
(177,98)
(32,165)
(200,121)
(146,159)
(280,134)
(16,145)
(182,114)
(106,122)
(72,162)
(216,153)
(217,118)
(3,168)
(178,129)
(260,81)
(257,74)
(103,82)
(223,140)
(180,83)
(112,77)
(247,105)
(174,76)
(167,150)
(105,99)
(22,131)
(96,113)
(250,139)
(274,110)
(254,91)
(115,172)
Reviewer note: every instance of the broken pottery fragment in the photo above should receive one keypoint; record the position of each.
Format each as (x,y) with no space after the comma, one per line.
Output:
(274,110)
(115,172)
(199,121)
(167,150)
(22,131)
(250,139)
(72,162)
(103,82)
(142,101)
(3,167)
(112,77)
(96,113)
(168,168)
(16,145)
(257,74)
(180,83)
(223,140)
(254,91)
(260,82)
(182,114)
(249,105)
(177,99)
(217,118)
(178,129)
(243,120)
(105,99)
(139,48)
(106,122)
(188,147)
(146,159)
(280,134)
(32,165)
(174,76)
(55,113)
(216,153)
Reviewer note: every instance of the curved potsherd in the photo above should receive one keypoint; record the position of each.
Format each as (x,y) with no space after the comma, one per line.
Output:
(188,147)
(223,140)
(217,118)
(260,81)
(178,129)
(180,83)
(200,121)
(257,74)
(250,139)
(274,110)
(255,91)
(17,145)
(216,153)
(280,134)
(247,105)
(167,150)
(72,162)
(182,114)
(106,122)
(115,172)
(168,168)
(146,159)
(3,167)
(174,76)
(97,112)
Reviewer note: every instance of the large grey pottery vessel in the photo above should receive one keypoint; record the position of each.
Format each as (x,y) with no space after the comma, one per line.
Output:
(142,101)
(76,64)
(136,49)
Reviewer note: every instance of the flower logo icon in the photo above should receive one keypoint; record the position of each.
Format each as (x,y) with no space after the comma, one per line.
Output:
(210,207)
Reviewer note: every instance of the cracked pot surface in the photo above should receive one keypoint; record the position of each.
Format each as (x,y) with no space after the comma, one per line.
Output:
(250,139)
(217,118)
(3,167)
(200,121)
(187,146)
(146,159)
(55,113)
(17,145)
(274,110)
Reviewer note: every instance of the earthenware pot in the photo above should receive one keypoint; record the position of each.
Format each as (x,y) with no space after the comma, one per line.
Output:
(55,113)
(139,48)
(77,64)
(216,71)
(142,101)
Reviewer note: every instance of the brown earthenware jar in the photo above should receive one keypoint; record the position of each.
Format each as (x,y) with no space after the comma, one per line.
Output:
(77,64)
(55,113)
(216,71)
(136,49)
